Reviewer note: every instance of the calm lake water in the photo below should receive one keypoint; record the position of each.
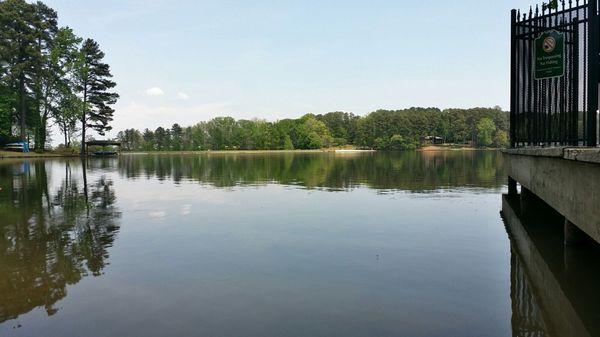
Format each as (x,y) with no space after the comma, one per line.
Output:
(388,244)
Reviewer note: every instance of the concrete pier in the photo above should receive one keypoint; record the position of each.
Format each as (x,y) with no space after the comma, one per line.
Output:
(567,179)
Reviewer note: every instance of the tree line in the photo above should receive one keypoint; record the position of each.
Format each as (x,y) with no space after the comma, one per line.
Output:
(49,75)
(381,130)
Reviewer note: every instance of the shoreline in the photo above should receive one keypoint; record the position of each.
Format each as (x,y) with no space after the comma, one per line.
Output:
(33,155)
(450,148)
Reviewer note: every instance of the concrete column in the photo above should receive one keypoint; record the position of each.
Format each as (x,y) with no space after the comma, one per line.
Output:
(527,200)
(512,187)
(573,235)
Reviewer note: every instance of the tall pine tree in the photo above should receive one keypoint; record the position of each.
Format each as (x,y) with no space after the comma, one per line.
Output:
(94,84)
(47,75)
(18,54)
(59,87)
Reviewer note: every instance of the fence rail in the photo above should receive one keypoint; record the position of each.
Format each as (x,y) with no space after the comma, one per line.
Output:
(560,107)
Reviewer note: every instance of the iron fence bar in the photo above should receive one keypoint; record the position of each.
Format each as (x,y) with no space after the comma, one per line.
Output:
(552,111)
(575,86)
(593,48)
(573,9)
(513,78)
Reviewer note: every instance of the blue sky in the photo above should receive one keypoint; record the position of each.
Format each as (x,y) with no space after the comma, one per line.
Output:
(187,61)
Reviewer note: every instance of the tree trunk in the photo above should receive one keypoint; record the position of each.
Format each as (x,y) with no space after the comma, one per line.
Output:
(82,152)
(65,133)
(42,130)
(23,107)
(83,117)
(43,123)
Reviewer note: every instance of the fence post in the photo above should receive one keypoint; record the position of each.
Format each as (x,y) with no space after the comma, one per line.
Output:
(593,59)
(513,78)
(574,114)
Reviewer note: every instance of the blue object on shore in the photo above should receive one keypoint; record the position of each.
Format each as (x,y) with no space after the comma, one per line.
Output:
(18,146)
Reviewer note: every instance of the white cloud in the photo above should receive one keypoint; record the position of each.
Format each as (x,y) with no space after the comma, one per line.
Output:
(157,214)
(186,209)
(156,91)
(183,96)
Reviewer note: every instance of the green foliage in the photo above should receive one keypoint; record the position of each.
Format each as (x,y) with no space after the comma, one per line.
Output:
(310,133)
(411,123)
(94,83)
(18,52)
(395,143)
(341,125)
(485,132)
(47,74)
(131,139)
(288,144)
(454,125)
(7,110)
(501,139)
(382,130)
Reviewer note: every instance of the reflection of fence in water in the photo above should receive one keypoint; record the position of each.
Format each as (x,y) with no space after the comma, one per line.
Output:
(527,318)
(555,290)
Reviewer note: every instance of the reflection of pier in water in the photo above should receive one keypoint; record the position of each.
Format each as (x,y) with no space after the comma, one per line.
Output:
(555,289)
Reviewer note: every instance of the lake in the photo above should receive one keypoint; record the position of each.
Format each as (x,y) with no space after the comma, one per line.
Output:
(276,244)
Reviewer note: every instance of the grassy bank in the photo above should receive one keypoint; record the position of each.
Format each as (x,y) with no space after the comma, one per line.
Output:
(11,154)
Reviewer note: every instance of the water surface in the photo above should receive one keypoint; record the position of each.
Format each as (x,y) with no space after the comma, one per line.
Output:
(322,244)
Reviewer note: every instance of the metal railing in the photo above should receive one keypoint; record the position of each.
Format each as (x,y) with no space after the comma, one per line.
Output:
(554,74)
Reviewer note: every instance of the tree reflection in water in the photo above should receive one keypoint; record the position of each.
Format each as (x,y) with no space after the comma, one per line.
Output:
(408,171)
(54,231)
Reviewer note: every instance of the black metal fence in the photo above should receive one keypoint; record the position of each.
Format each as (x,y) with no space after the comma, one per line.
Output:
(559,106)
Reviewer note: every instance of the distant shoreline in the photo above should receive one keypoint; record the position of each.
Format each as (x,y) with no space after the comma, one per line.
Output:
(326,150)
(33,155)
(451,148)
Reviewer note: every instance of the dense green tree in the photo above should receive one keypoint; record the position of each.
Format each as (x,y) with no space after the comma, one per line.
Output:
(18,53)
(48,73)
(462,123)
(341,125)
(60,100)
(45,73)
(131,139)
(66,115)
(310,133)
(382,129)
(198,137)
(485,132)
(94,84)
(501,139)
(287,143)
(7,111)
(176,137)
(149,140)
(222,131)
(162,139)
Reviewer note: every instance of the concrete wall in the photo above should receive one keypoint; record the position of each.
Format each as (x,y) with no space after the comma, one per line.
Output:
(571,187)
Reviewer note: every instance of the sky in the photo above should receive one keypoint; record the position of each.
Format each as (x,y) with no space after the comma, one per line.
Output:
(191,60)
